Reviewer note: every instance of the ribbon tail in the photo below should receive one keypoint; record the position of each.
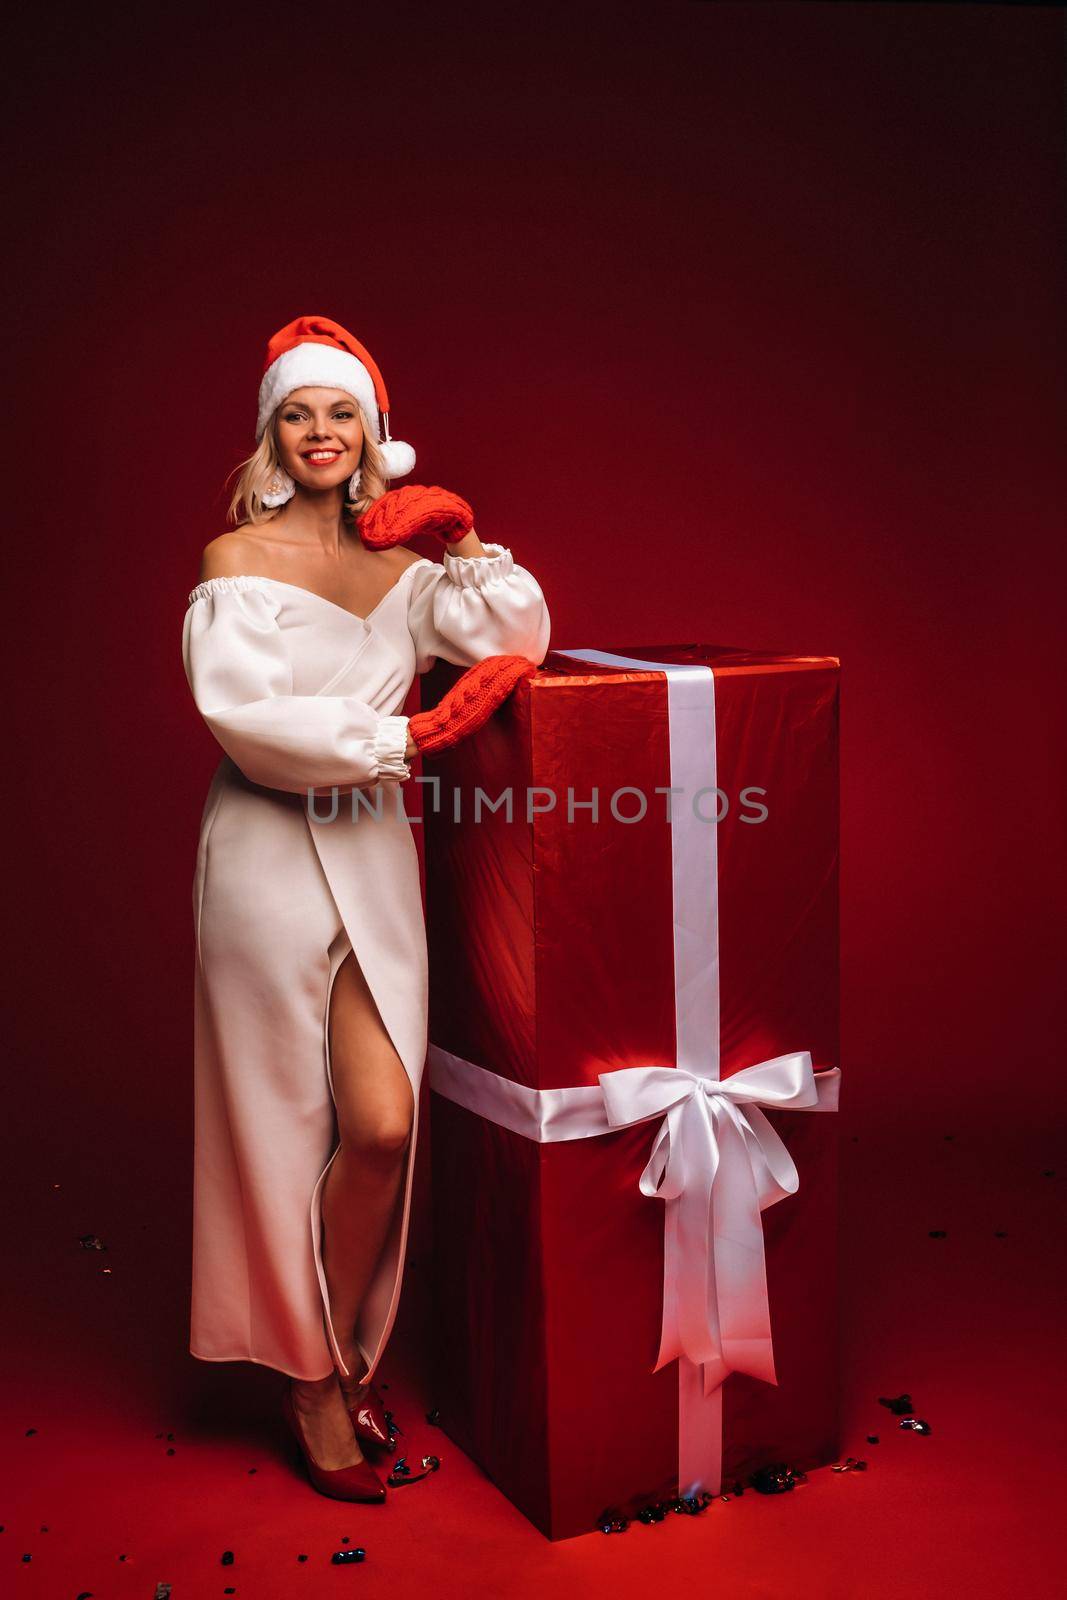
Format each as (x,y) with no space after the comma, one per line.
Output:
(713,1374)
(694,1293)
(681,1172)
(740,1268)
(670,1343)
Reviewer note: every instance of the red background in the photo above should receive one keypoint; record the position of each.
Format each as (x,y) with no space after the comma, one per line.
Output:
(736,322)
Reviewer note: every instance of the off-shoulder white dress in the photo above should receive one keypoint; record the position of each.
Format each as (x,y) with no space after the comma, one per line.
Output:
(302,695)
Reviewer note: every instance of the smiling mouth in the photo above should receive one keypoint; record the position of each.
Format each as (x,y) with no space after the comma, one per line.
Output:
(322,458)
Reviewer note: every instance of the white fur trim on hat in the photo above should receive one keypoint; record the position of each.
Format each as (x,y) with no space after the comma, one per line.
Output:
(321,364)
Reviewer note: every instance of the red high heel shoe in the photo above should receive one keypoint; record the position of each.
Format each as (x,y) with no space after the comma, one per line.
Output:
(369,1420)
(358,1482)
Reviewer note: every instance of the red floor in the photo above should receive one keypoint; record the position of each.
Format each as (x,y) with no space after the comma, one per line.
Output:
(963,1323)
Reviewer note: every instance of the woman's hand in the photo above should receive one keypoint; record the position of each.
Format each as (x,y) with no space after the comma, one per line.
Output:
(469,703)
(402,513)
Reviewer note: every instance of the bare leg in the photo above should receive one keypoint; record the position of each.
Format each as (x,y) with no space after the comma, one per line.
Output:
(324,1419)
(375,1109)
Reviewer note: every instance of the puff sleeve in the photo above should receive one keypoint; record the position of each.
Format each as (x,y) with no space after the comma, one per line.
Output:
(241,678)
(468,607)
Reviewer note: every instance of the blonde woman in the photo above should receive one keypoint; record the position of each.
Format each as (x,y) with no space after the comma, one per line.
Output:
(300,643)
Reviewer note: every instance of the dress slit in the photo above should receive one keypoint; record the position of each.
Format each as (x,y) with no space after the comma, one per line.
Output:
(392,1246)
(339,949)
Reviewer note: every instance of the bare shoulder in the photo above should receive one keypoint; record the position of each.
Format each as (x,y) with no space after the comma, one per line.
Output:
(230,555)
(396,560)
(403,557)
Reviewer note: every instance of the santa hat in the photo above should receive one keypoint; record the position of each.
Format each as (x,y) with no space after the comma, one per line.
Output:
(314,350)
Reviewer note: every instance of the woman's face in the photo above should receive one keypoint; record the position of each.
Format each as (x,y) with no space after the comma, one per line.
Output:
(319,437)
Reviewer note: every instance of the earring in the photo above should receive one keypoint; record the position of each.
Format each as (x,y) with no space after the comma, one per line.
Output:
(280,489)
(354,482)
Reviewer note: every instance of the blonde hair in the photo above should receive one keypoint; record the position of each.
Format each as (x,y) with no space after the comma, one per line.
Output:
(257,470)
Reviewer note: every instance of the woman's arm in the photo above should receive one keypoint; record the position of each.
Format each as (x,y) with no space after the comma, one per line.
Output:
(478,602)
(469,545)
(241,678)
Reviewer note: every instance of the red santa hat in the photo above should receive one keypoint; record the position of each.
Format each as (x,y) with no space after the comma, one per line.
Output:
(315,350)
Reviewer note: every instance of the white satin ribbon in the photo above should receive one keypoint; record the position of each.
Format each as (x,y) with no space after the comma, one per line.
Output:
(716,1162)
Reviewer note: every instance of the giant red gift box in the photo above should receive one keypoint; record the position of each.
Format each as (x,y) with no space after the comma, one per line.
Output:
(552,960)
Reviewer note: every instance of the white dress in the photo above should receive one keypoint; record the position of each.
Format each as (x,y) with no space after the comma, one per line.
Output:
(303,694)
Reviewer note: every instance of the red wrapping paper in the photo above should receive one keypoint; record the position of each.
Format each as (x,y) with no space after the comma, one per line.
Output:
(551,960)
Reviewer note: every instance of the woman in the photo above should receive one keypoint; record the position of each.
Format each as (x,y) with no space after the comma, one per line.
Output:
(300,643)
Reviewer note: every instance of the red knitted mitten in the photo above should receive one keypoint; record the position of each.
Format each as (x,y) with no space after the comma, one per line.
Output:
(471,701)
(401,513)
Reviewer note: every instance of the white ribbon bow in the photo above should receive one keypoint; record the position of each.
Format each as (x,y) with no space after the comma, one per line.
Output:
(717,1163)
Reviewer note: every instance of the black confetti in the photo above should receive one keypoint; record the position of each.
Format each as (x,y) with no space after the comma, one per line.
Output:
(899,1406)
(27,1557)
(170,1450)
(915,1425)
(86,1594)
(89,1241)
(402,1475)
(301,1558)
(777,1478)
(341,1558)
(656,1511)
(872,1438)
(433,1417)
(162,1592)
(1000,1234)
(938,1233)
(227,1558)
(850,1464)
(29,1431)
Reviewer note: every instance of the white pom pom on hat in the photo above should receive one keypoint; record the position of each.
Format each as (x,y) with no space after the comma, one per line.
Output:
(316,350)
